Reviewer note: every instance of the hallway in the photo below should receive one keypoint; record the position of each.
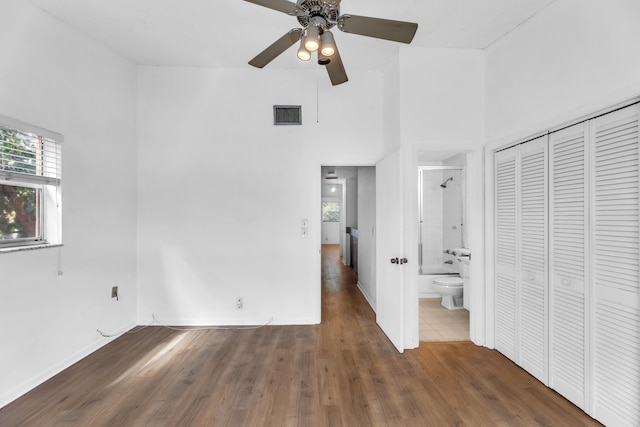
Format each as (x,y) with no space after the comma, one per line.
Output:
(343,372)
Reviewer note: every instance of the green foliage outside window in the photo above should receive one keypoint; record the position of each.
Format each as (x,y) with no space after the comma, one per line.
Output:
(18,151)
(330,211)
(19,210)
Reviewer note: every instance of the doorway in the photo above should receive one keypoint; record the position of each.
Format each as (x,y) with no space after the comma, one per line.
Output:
(442,237)
(368,278)
(348,220)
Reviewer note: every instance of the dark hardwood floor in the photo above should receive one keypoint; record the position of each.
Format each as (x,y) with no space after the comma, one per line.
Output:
(343,372)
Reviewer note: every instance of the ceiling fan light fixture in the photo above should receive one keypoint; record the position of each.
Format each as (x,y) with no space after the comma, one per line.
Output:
(312,39)
(327,44)
(317,17)
(322,59)
(303,53)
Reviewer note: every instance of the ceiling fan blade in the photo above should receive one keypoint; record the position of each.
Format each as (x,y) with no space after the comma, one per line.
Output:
(336,71)
(279,5)
(397,31)
(279,46)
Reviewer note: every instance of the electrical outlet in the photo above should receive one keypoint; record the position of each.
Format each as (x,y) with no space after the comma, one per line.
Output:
(239,303)
(114,292)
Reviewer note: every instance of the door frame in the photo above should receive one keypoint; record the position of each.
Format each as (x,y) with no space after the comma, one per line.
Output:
(480,303)
(475,179)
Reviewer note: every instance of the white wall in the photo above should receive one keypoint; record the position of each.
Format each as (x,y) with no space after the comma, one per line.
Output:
(441,104)
(391,106)
(330,233)
(367,233)
(442,98)
(433,222)
(211,227)
(54,78)
(461,159)
(351,193)
(573,58)
(331,229)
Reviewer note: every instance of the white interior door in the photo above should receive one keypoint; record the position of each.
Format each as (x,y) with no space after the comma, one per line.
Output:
(390,262)
(506,243)
(615,261)
(568,264)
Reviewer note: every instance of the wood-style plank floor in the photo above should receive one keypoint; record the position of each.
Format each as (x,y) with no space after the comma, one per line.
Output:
(343,372)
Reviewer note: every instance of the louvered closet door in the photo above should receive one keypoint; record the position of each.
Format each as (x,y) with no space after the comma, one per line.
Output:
(568,336)
(616,273)
(505,252)
(531,335)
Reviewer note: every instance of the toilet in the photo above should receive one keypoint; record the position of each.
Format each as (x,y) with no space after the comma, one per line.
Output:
(451,287)
(451,290)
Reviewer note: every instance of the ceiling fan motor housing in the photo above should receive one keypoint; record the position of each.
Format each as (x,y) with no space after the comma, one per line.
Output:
(307,10)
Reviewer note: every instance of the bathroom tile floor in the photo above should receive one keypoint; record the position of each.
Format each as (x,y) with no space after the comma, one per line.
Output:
(439,324)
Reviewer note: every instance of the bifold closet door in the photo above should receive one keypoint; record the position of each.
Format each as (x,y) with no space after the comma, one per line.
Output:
(521,246)
(568,308)
(616,273)
(531,279)
(505,252)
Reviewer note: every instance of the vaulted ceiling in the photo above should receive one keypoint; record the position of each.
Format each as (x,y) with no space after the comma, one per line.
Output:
(228,33)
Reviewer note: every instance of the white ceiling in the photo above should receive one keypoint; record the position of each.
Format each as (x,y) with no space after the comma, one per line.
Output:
(228,33)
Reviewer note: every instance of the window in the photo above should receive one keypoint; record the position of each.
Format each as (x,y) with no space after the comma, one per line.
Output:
(330,211)
(30,177)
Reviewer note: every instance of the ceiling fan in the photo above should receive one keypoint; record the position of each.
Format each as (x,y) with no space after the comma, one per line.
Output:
(317,17)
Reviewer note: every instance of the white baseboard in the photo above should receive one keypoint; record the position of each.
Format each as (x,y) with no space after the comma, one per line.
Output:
(366,296)
(429,295)
(224,322)
(40,378)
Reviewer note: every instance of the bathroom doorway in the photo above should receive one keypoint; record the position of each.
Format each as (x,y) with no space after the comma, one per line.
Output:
(442,236)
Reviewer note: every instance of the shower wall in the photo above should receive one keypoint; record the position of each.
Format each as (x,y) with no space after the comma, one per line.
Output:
(432,219)
(452,211)
(441,219)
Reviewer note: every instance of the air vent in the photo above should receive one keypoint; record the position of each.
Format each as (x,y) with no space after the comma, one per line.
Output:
(287,115)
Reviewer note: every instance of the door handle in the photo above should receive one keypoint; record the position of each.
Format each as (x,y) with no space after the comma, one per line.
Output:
(395,261)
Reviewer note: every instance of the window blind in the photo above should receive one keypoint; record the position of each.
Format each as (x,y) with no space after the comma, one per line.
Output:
(29,157)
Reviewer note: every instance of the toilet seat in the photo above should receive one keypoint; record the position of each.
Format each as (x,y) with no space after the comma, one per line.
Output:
(449,282)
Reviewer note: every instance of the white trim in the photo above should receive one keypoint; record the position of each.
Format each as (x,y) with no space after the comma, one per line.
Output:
(372,303)
(429,295)
(47,374)
(29,128)
(490,243)
(224,323)
(570,117)
(29,247)
(476,242)
(476,190)
(436,168)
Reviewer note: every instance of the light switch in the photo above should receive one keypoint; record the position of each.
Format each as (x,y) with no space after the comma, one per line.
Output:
(304,228)
(304,223)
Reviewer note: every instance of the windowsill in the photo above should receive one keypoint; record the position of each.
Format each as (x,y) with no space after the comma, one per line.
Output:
(30,247)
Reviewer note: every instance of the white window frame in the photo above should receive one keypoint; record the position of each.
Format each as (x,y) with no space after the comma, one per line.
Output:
(48,182)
